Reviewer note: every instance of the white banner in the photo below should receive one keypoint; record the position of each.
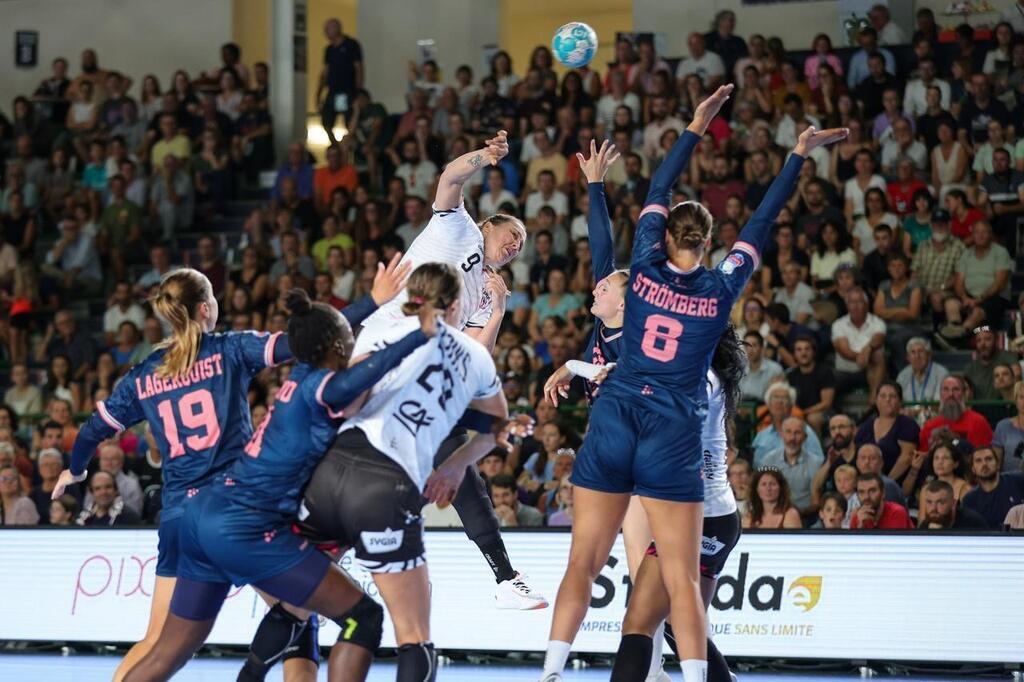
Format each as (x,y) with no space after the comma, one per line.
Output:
(909,597)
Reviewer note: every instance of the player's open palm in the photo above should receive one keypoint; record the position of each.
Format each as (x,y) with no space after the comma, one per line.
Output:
(812,138)
(709,108)
(390,280)
(595,167)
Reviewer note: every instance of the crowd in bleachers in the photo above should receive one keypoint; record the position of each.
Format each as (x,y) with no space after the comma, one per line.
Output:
(883,328)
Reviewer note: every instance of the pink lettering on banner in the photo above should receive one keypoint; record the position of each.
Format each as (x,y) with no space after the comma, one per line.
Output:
(96,576)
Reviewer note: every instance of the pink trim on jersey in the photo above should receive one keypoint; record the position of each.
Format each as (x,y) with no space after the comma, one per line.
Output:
(101,410)
(268,350)
(750,251)
(320,398)
(655,208)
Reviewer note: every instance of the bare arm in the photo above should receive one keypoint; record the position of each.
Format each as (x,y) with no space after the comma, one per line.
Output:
(445,480)
(456,173)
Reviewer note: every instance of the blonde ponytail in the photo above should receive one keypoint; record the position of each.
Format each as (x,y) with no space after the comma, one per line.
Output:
(181,292)
(436,283)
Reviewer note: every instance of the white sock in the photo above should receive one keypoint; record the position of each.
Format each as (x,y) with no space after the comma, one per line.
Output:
(657,646)
(556,656)
(694,670)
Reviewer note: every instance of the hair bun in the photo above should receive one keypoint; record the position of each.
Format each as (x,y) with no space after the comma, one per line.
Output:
(297,301)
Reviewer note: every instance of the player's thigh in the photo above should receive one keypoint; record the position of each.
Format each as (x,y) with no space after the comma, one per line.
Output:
(636,535)
(648,602)
(677,530)
(407,597)
(160,606)
(597,517)
(336,594)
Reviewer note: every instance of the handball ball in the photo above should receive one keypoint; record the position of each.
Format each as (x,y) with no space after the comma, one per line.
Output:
(574,44)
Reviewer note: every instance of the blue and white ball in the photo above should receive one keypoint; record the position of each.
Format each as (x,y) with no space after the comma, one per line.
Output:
(574,44)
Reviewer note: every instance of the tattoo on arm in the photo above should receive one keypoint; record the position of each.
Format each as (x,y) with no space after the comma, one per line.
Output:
(476,161)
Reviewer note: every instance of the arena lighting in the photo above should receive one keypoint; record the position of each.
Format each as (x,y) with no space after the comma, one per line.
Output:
(316,136)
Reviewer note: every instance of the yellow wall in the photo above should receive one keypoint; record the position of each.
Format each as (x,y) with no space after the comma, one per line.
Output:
(251,19)
(528,23)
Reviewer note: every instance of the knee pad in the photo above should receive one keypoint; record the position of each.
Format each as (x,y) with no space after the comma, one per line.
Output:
(362,625)
(276,637)
(307,645)
(417,663)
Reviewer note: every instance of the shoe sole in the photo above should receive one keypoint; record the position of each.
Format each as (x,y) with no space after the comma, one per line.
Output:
(536,607)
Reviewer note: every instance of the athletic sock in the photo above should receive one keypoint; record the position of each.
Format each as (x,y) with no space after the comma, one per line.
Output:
(657,647)
(556,656)
(497,558)
(632,659)
(694,670)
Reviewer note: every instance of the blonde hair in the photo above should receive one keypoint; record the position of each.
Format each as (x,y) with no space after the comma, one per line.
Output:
(436,283)
(181,292)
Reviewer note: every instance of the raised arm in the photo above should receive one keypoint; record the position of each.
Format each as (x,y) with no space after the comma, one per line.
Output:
(388,283)
(599,222)
(458,171)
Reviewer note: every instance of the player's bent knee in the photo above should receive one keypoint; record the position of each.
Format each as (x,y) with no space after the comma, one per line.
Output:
(362,625)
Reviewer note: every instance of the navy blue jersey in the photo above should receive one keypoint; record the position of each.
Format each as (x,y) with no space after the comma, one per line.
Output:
(604,344)
(299,426)
(200,421)
(673,319)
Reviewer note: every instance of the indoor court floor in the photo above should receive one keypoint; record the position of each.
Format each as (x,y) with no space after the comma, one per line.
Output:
(53,668)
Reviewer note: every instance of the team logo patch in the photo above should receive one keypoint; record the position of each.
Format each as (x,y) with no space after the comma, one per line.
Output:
(731,262)
(711,546)
(382,542)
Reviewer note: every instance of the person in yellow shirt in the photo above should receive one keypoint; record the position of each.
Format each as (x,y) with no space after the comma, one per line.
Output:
(171,142)
(333,236)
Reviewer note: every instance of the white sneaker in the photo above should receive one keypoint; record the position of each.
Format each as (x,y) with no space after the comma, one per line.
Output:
(662,676)
(553,677)
(516,594)
(733,677)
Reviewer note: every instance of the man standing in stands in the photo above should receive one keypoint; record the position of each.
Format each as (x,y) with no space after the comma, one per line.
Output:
(341,76)
(997,492)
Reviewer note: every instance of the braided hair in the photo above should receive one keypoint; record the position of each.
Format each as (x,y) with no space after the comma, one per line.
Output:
(730,364)
(315,328)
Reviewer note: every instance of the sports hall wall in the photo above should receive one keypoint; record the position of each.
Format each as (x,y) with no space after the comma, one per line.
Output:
(133,36)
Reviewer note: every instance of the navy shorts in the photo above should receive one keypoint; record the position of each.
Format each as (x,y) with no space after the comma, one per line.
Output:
(633,449)
(168,547)
(225,542)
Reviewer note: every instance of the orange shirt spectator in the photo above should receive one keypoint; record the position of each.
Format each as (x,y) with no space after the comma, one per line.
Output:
(337,173)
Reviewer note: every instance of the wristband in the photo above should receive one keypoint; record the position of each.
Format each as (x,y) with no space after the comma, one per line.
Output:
(587,370)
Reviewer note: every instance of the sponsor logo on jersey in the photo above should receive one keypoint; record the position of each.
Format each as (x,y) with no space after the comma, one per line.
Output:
(731,262)
(382,542)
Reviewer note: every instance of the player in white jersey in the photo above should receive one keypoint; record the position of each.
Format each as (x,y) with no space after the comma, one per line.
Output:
(368,490)
(454,238)
(639,655)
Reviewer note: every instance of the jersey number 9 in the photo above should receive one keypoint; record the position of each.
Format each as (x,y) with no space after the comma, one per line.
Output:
(661,334)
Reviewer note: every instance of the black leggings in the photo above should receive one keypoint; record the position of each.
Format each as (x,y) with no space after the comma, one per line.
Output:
(472,501)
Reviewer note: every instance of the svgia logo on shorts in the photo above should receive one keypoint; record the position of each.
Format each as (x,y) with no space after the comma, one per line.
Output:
(381,542)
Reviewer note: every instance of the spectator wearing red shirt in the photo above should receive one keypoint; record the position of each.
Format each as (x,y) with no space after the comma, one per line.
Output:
(718,190)
(955,416)
(874,512)
(337,173)
(902,189)
(962,214)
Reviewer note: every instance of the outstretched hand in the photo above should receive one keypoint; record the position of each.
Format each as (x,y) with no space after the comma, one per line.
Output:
(496,148)
(812,138)
(390,280)
(708,109)
(599,162)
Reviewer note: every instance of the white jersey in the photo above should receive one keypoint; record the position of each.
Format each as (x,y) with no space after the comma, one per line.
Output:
(415,406)
(718,497)
(450,237)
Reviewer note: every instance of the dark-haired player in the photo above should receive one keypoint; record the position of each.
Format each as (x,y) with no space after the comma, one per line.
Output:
(240,531)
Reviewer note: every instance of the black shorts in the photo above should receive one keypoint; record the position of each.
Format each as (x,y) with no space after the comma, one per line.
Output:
(720,535)
(358,497)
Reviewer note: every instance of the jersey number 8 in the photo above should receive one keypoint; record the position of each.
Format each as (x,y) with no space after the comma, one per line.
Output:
(661,334)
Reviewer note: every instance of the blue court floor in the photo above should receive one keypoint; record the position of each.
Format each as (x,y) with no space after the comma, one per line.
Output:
(53,668)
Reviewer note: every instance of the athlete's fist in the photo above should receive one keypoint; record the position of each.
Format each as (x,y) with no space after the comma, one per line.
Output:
(65,479)
(496,148)
(599,162)
(390,280)
(495,286)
